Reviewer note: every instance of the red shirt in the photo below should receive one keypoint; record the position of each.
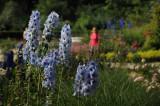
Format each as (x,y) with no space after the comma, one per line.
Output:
(94,39)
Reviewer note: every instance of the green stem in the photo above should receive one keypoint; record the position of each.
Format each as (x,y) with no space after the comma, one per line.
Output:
(28,91)
(38,88)
(59,86)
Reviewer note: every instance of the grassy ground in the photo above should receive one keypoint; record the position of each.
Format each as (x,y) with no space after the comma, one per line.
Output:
(115,89)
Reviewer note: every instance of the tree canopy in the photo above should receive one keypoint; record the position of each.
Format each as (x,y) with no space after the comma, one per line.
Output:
(81,13)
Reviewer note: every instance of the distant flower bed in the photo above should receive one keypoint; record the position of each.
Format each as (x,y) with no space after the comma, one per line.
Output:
(149,56)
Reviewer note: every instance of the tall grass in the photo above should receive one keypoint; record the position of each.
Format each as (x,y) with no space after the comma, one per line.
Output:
(115,89)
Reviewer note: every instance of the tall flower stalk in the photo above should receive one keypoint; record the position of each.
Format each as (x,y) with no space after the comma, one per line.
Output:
(31,35)
(86,79)
(49,64)
(65,44)
(51,23)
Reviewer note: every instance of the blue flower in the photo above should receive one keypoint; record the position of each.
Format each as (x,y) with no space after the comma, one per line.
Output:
(33,58)
(65,43)
(50,59)
(34,23)
(121,23)
(51,22)
(49,77)
(86,79)
(31,35)
(49,62)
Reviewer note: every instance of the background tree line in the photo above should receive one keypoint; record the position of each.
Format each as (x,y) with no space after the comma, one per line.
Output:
(82,14)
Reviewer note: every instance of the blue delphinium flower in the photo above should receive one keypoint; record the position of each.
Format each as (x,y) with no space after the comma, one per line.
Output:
(34,23)
(86,79)
(51,22)
(65,43)
(33,58)
(33,26)
(50,59)
(121,23)
(49,77)
(31,35)
(49,62)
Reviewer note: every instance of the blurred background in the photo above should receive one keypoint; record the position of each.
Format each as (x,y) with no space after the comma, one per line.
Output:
(131,22)
(129,49)
(82,14)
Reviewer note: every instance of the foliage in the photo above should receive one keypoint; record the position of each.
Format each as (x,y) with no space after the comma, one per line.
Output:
(153,41)
(133,57)
(82,14)
(149,54)
(13,15)
(7,44)
(89,16)
(133,34)
(123,8)
(115,89)
(110,56)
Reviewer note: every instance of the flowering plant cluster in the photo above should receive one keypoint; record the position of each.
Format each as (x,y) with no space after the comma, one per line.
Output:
(48,61)
(86,79)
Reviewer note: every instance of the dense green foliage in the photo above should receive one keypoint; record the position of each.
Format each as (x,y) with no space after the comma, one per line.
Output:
(81,13)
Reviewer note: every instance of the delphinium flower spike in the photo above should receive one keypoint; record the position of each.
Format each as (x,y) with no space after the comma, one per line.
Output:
(86,79)
(33,26)
(121,23)
(51,22)
(48,63)
(65,44)
(31,35)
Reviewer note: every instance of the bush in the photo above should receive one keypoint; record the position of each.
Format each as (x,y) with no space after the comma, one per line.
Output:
(133,57)
(154,40)
(9,19)
(134,34)
(148,55)
(110,56)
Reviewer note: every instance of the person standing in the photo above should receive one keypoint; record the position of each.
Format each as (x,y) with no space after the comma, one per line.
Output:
(94,41)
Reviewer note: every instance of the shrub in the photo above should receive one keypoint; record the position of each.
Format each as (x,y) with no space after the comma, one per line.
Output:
(133,57)
(150,54)
(134,34)
(111,56)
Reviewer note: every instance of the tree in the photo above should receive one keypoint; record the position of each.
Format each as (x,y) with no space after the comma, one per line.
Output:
(14,14)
